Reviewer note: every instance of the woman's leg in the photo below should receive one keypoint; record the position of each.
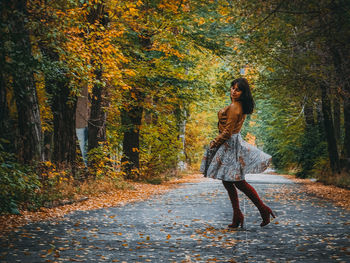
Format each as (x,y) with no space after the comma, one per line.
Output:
(249,191)
(238,217)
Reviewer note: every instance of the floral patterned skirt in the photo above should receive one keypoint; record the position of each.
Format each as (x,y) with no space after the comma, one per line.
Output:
(233,159)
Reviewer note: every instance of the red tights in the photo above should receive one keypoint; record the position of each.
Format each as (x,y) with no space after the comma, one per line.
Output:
(249,191)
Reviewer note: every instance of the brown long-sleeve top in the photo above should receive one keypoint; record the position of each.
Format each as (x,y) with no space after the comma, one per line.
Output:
(231,119)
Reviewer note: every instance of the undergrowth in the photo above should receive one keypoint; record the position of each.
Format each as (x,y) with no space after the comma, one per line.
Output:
(323,173)
(45,185)
(31,187)
(18,185)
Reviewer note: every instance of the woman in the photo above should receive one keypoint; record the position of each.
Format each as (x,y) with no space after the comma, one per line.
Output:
(230,157)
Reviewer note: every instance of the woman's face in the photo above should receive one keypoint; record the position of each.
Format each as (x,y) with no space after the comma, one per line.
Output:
(235,92)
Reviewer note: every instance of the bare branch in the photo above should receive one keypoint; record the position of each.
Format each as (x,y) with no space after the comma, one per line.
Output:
(267,17)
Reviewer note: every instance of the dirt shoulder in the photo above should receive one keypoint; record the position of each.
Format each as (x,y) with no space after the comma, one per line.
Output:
(140,191)
(338,196)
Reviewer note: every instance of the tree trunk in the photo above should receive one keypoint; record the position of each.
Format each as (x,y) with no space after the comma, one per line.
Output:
(3,100)
(346,147)
(329,131)
(182,132)
(97,120)
(336,118)
(63,106)
(320,118)
(309,114)
(131,117)
(339,39)
(4,113)
(25,94)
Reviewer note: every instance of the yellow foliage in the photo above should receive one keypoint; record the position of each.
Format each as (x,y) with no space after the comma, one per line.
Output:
(250,138)
(45,109)
(200,130)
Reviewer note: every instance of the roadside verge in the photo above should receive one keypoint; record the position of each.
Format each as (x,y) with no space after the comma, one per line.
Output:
(120,197)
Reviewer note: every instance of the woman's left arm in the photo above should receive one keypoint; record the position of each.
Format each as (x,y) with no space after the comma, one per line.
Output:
(233,113)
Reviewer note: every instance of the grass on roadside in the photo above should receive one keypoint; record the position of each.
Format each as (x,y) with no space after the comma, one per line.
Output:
(323,173)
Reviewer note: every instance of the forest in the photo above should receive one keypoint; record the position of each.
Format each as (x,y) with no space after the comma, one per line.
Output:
(98,92)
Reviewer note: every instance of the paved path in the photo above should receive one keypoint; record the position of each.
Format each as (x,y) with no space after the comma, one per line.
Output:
(189,225)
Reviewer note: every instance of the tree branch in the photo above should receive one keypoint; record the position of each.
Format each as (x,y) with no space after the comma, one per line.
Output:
(266,18)
(297,12)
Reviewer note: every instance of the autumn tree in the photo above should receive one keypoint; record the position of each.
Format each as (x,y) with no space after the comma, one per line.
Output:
(18,59)
(97,19)
(150,45)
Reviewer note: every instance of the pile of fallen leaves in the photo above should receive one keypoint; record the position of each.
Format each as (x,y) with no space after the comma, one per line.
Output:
(338,196)
(119,197)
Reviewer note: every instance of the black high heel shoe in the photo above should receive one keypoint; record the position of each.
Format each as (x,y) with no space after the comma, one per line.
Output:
(265,214)
(238,219)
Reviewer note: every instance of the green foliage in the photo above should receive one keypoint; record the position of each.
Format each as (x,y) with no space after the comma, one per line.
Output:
(160,147)
(312,151)
(104,162)
(52,179)
(322,171)
(201,128)
(277,125)
(293,56)
(19,185)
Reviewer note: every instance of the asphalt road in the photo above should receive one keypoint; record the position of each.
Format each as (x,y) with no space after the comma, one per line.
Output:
(189,224)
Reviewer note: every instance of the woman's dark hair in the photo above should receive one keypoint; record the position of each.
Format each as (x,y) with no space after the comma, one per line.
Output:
(246,96)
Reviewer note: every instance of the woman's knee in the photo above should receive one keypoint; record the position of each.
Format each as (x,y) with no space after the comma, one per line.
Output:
(227,184)
(240,184)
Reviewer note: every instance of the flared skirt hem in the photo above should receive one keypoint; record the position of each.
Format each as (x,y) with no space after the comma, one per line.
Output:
(233,159)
